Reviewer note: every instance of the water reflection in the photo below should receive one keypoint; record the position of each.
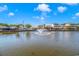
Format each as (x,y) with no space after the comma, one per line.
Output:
(17,35)
(28,43)
(28,35)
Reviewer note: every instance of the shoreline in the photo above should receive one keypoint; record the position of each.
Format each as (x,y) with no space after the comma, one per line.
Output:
(35,30)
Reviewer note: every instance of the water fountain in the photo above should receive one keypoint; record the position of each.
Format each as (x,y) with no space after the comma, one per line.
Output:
(42,32)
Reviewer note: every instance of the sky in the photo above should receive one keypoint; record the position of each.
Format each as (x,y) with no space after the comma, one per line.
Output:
(39,13)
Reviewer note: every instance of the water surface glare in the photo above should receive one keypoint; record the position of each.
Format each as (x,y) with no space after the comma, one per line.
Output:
(29,43)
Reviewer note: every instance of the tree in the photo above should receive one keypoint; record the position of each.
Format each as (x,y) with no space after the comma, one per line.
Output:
(28,25)
(2,24)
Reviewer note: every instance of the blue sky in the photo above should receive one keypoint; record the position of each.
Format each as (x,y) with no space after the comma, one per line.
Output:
(39,13)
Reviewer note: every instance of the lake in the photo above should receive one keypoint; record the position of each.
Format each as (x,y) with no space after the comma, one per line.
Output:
(32,43)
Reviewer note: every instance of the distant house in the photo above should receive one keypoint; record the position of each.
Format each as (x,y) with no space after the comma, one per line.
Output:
(3,27)
(50,25)
(70,26)
(7,28)
(34,27)
(12,27)
(54,26)
(67,25)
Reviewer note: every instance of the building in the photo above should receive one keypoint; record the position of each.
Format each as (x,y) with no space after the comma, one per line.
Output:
(70,26)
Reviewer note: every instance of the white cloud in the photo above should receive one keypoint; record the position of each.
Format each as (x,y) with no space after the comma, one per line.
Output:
(3,8)
(62,9)
(11,14)
(42,18)
(77,14)
(36,17)
(73,17)
(43,8)
(39,17)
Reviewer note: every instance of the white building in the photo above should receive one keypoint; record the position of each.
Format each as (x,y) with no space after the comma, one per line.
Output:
(50,25)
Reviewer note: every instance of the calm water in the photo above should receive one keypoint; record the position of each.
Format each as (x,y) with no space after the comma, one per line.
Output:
(32,43)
